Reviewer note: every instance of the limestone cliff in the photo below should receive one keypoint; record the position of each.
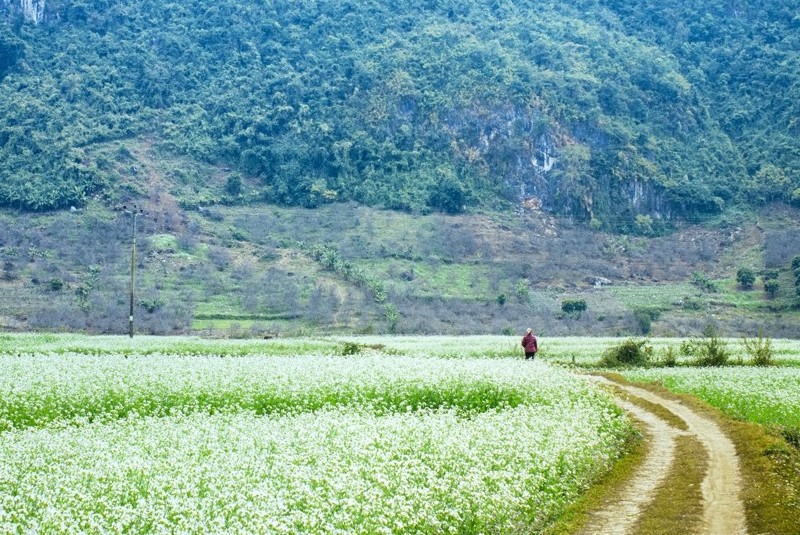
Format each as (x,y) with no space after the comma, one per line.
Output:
(31,10)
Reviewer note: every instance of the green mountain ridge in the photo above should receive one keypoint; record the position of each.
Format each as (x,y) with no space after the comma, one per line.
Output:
(592,167)
(623,113)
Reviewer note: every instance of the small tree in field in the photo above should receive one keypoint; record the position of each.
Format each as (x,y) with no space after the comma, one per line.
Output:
(759,349)
(711,350)
(771,287)
(745,278)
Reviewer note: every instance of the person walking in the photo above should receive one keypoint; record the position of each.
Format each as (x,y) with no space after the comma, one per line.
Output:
(530,344)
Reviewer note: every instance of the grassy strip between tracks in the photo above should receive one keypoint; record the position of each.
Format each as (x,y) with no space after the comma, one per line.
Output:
(677,504)
(770,467)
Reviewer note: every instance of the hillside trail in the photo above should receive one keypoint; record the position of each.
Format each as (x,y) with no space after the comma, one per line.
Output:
(723,512)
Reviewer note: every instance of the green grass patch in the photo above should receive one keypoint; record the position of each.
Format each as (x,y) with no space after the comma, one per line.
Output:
(441,280)
(217,305)
(677,506)
(662,296)
(770,469)
(164,242)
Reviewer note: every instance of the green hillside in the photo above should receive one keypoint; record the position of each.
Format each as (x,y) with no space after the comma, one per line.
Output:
(594,167)
(602,110)
(344,268)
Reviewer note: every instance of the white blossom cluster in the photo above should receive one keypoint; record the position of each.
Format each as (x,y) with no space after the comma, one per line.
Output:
(84,344)
(769,396)
(367,444)
(38,389)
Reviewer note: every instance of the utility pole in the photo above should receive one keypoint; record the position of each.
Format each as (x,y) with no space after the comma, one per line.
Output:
(134,211)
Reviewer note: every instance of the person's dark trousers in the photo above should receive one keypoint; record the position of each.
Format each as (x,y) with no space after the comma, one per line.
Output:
(529,355)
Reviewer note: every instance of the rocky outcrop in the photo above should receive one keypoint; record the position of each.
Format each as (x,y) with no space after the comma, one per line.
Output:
(544,165)
(516,144)
(31,10)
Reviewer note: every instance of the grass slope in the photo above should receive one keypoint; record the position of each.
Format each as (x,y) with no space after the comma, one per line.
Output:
(347,268)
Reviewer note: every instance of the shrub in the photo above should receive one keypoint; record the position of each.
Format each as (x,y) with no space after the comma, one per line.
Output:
(629,353)
(691,303)
(233,185)
(690,348)
(745,277)
(573,306)
(796,273)
(392,316)
(644,225)
(523,290)
(213,215)
(56,284)
(712,352)
(771,287)
(151,305)
(239,235)
(670,357)
(351,348)
(702,281)
(644,317)
(448,194)
(8,271)
(770,274)
(759,349)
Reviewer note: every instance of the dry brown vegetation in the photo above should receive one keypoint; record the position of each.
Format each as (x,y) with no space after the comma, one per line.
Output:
(478,273)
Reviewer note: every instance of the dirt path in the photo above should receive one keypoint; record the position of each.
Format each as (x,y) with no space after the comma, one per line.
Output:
(723,510)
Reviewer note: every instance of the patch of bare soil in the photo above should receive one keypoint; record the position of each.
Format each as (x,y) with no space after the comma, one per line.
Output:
(723,511)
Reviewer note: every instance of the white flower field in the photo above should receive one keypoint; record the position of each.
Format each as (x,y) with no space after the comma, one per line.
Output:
(407,435)
(768,396)
(127,443)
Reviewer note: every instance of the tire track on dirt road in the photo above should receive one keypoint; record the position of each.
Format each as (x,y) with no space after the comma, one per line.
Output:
(723,512)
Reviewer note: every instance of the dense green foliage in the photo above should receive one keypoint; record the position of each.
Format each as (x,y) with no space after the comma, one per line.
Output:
(631,352)
(745,277)
(601,108)
(573,306)
(796,272)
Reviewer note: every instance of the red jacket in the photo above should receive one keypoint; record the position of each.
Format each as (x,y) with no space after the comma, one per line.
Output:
(529,343)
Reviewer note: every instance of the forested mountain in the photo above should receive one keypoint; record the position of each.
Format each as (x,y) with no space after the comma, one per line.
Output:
(601,109)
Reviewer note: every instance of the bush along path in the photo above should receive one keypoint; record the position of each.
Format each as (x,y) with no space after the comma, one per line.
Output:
(638,508)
